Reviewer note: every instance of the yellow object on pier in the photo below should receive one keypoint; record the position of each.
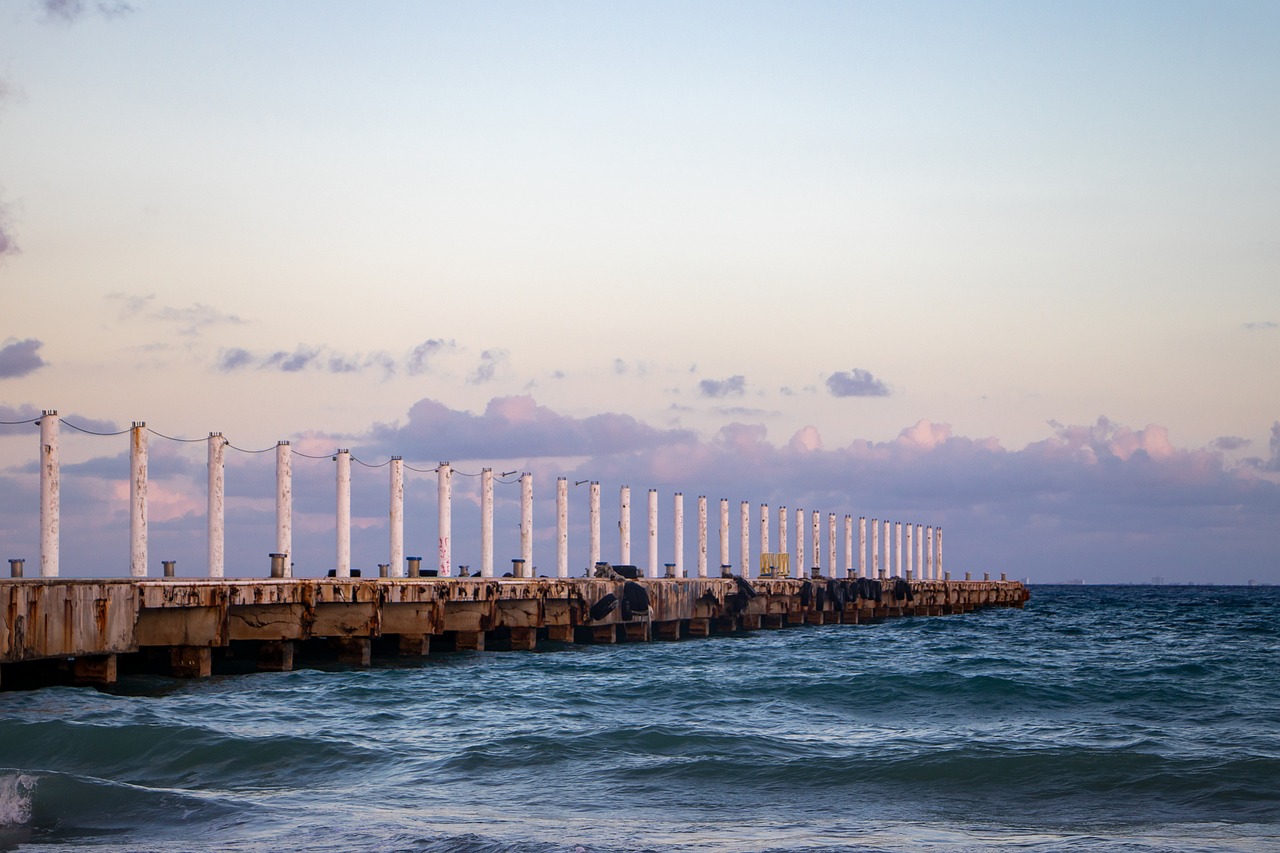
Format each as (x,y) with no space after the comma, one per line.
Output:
(775,565)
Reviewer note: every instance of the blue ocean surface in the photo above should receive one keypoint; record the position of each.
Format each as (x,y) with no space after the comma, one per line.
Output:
(1098,718)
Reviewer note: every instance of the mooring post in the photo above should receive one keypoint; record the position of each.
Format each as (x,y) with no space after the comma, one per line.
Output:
(897,549)
(702,536)
(624,526)
(652,568)
(928,554)
(15,568)
(284,504)
(526,522)
(138,499)
(343,566)
(799,543)
(862,546)
(678,533)
(562,527)
(593,544)
(396,566)
(724,532)
(486,522)
(816,532)
(875,548)
(764,528)
(745,527)
(50,493)
(444,519)
(849,570)
(217,494)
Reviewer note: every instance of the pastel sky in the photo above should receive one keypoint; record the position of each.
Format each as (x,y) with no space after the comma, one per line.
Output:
(1006,267)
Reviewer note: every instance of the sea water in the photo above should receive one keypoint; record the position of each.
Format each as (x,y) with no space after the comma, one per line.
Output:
(1098,718)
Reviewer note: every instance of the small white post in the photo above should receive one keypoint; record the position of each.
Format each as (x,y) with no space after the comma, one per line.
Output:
(624,526)
(724,532)
(50,493)
(938,544)
(397,517)
(562,527)
(702,536)
(486,522)
(875,548)
(593,556)
(653,534)
(816,525)
(849,570)
(897,549)
(678,533)
(444,518)
(928,553)
(764,528)
(831,544)
(746,539)
(284,505)
(217,530)
(912,570)
(138,500)
(801,571)
(862,546)
(343,569)
(526,522)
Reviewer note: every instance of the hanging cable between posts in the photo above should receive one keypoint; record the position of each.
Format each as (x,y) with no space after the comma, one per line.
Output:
(90,431)
(174,438)
(27,421)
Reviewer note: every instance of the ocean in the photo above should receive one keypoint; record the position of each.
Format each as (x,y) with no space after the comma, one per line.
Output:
(1098,718)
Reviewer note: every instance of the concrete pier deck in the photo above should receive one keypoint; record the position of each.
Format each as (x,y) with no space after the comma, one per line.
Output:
(60,630)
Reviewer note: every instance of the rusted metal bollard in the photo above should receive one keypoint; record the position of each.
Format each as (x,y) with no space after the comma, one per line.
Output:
(169,567)
(278,564)
(415,566)
(15,568)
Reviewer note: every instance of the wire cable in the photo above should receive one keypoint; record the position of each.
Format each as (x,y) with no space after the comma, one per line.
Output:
(92,432)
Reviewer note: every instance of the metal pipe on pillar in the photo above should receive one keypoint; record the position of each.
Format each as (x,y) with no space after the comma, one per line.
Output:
(396,566)
(745,527)
(50,493)
(562,527)
(486,522)
(702,536)
(526,522)
(444,518)
(593,547)
(724,531)
(138,500)
(678,532)
(652,568)
(217,495)
(624,525)
(284,505)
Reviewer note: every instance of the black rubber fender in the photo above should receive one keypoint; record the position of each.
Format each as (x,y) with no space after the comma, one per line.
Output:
(744,587)
(836,592)
(636,597)
(806,593)
(603,607)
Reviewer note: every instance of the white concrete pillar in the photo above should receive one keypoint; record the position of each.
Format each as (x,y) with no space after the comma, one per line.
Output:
(444,519)
(745,527)
(932,568)
(702,536)
(562,527)
(920,570)
(862,546)
(800,570)
(831,544)
(912,570)
(783,548)
(897,549)
(526,522)
(764,528)
(887,563)
(486,522)
(938,544)
(849,570)
(815,524)
(50,493)
(652,569)
(875,548)
(217,497)
(624,526)
(397,517)
(138,500)
(593,547)
(343,567)
(678,533)
(724,532)
(284,505)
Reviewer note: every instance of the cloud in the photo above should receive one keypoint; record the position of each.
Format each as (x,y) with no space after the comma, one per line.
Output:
(490,360)
(19,358)
(421,356)
(69,11)
(24,412)
(305,358)
(715,388)
(8,243)
(1262,326)
(190,320)
(856,383)
(1229,442)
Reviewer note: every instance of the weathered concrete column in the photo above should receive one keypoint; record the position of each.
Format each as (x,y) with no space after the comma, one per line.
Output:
(938,544)
(912,569)
(815,525)
(862,546)
(724,531)
(920,570)
(624,526)
(849,570)
(764,528)
(678,532)
(217,496)
(897,549)
(397,517)
(887,563)
(652,568)
(928,554)
(444,519)
(343,567)
(702,536)
(50,493)
(745,527)
(831,544)
(526,522)
(593,548)
(875,548)
(800,569)
(782,531)
(562,527)
(138,500)
(284,505)
(486,522)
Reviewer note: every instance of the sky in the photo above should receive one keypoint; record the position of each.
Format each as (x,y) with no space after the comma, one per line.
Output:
(1012,269)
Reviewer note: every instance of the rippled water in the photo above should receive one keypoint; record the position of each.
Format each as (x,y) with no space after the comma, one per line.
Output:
(1142,719)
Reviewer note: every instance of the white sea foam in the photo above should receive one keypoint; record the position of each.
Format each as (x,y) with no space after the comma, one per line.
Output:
(17,790)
